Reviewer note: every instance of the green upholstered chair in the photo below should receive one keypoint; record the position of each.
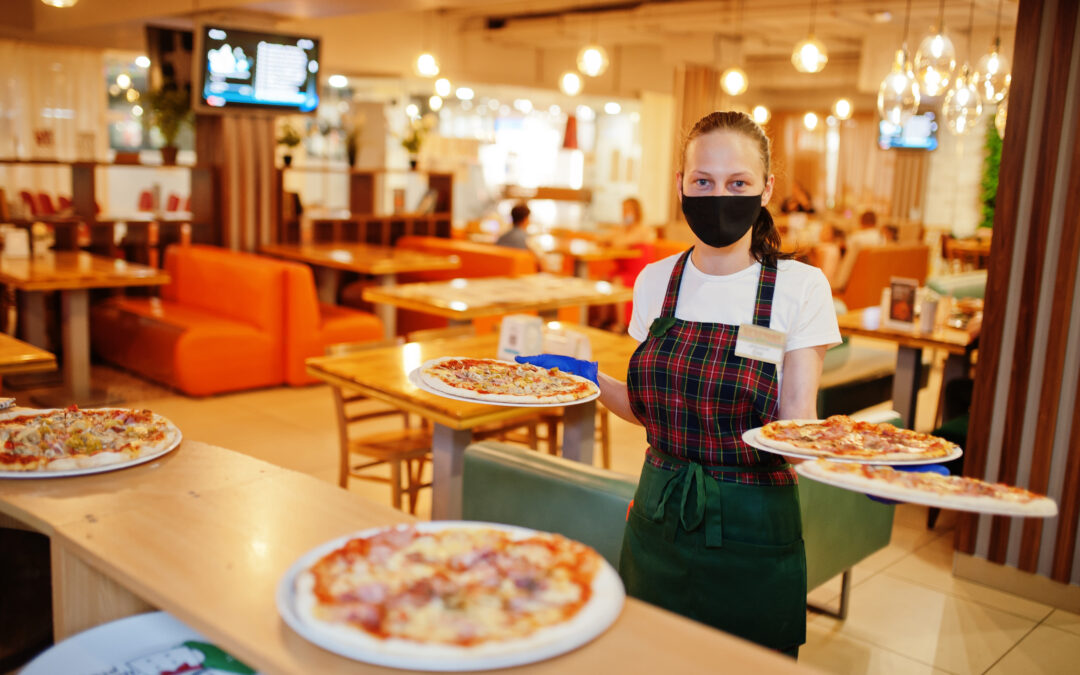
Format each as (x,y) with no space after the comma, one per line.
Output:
(516,486)
(964,285)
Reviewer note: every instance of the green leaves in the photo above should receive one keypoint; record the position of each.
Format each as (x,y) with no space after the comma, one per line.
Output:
(989,184)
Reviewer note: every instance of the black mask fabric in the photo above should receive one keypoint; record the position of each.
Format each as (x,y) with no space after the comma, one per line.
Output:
(721,221)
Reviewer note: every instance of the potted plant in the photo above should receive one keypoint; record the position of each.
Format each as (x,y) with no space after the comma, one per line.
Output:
(414,138)
(168,109)
(290,139)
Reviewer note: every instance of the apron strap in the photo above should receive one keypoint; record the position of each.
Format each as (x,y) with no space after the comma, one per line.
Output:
(765,290)
(671,296)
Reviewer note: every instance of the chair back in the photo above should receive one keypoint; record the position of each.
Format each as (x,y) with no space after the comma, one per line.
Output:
(146,201)
(29,203)
(45,204)
(865,272)
(173,202)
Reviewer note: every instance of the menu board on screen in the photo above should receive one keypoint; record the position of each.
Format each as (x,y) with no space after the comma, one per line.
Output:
(249,69)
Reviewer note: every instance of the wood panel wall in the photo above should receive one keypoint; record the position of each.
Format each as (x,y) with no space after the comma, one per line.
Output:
(1026,407)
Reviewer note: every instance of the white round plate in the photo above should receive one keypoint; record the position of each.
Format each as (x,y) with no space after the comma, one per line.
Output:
(1047,507)
(752,437)
(593,619)
(7,414)
(144,643)
(418,382)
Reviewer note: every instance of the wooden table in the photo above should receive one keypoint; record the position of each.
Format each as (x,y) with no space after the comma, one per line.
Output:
(583,251)
(17,356)
(462,300)
(383,262)
(73,274)
(959,344)
(382,374)
(206,534)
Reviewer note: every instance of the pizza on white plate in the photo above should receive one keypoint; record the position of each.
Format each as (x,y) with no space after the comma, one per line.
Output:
(842,437)
(457,591)
(953,492)
(498,381)
(73,438)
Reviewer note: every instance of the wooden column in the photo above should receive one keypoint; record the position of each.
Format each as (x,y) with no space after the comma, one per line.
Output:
(1026,410)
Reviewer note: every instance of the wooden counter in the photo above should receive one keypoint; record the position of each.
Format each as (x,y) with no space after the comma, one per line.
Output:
(206,534)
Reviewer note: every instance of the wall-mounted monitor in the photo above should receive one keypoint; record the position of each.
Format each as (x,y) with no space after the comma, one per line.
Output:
(916,132)
(245,69)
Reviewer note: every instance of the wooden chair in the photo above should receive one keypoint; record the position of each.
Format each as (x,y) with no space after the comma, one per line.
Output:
(404,450)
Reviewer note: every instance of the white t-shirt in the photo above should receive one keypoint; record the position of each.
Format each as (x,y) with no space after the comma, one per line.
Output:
(802,300)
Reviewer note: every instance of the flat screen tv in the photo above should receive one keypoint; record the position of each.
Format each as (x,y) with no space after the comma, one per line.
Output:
(247,69)
(917,132)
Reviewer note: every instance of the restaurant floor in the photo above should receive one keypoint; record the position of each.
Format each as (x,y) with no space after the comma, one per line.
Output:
(908,613)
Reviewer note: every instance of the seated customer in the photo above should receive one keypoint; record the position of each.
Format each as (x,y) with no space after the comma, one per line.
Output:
(867,234)
(634,231)
(516,236)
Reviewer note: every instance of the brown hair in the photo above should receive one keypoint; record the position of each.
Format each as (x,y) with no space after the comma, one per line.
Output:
(765,238)
(519,213)
(635,206)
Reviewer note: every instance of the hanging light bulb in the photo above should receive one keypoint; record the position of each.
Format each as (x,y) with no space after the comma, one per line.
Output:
(761,114)
(842,109)
(570,84)
(435,102)
(992,74)
(999,117)
(898,95)
(809,55)
(427,65)
(592,60)
(734,81)
(442,87)
(962,106)
(810,121)
(935,59)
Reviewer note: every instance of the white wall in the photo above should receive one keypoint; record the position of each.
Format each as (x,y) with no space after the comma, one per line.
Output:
(953,177)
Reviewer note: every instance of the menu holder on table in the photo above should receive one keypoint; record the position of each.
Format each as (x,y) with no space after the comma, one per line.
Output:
(903,295)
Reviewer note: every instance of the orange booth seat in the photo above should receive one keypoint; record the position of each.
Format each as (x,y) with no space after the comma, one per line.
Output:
(226,321)
(477,260)
(865,273)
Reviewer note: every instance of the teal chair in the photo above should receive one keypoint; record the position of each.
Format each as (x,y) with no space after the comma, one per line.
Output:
(963,285)
(515,486)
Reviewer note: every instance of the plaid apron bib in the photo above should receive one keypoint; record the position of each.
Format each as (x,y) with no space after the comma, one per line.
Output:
(714,532)
(696,397)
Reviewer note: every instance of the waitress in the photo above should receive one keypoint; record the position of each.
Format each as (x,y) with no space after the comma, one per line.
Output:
(733,335)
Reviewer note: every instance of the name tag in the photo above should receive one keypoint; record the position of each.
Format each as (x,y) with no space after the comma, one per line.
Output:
(760,344)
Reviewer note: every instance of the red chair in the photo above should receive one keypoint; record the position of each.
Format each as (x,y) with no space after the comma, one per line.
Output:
(187,204)
(45,204)
(173,203)
(28,202)
(146,201)
(65,203)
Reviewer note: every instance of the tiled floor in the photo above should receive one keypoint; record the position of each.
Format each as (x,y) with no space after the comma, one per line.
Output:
(908,613)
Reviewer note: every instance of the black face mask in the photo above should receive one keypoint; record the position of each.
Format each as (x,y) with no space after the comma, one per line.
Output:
(721,221)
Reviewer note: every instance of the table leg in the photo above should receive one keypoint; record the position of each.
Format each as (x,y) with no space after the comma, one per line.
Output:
(579,432)
(75,315)
(387,313)
(448,462)
(33,318)
(327,279)
(906,383)
(581,268)
(84,597)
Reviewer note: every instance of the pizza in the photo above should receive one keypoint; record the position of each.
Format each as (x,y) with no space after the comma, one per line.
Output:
(455,590)
(72,438)
(841,437)
(952,492)
(505,382)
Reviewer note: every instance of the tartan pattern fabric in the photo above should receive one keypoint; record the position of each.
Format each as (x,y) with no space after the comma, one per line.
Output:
(696,397)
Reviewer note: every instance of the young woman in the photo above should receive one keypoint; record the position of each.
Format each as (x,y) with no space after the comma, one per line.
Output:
(714,532)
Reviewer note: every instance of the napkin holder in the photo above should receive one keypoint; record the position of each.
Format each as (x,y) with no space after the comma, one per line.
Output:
(520,335)
(567,343)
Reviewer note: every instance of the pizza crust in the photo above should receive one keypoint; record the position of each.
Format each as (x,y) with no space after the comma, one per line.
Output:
(429,378)
(1040,506)
(826,452)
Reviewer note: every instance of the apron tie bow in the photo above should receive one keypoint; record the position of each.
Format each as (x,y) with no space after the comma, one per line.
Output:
(693,480)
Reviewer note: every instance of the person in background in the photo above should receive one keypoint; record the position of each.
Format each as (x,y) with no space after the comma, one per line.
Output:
(868,233)
(798,202)
(634,232)
(515,237)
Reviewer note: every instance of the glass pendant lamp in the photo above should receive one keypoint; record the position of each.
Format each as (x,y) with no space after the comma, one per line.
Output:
(992,71)
(898,96)
(809,55)
(935,59)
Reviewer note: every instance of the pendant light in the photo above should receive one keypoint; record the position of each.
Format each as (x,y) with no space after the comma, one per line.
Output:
(443,87)
(426,65)
(898,95)
(992,72)
(59,3)
(809,55)
(962,106)
(592,60)
(761,114)
(570,83)
(935,59)
(734,80)
(810,121)
(842,109)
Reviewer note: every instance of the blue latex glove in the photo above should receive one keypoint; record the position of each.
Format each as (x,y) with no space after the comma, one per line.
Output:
(916,468)
(567,364)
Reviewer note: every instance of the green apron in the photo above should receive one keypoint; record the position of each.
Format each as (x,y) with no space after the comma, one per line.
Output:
(715,532)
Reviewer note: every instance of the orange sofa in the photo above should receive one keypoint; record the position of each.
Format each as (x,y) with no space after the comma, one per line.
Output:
(862,277)
(477,260)
(227,321)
